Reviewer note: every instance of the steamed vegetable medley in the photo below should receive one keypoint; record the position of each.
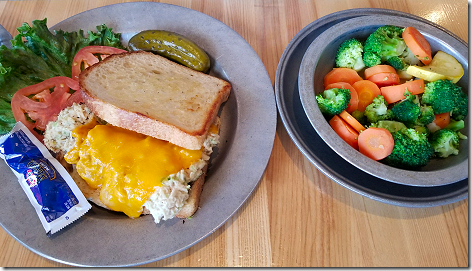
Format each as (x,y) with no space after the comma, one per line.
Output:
(393,100)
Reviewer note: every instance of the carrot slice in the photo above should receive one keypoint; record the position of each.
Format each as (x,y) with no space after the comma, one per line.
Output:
(384,79)
(367,91)
(352,106)
(442,120)
(341,75)
(376,143)
(346,132)
(417,44)
(396,93)
(351,121)
(378,69)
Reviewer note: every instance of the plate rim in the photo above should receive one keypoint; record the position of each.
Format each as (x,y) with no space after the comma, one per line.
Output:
(5,37)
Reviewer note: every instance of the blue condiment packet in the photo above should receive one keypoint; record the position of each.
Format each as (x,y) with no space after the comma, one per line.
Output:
(49,187)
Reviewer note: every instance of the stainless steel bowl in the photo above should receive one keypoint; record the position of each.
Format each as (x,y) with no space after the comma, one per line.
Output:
(319,60)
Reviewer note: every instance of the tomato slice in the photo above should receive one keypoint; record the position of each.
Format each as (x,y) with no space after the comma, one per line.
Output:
(45,105)
(88,56)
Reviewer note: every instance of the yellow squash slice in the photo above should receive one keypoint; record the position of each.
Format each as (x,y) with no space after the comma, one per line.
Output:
(443,66)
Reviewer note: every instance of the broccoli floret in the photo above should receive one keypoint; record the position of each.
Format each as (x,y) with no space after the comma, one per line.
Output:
(349,55)
(407,110)
(391,125)
(401,63)
(333,101)
(377,110)
(411,150)
(444,96)
(359,116)
(426,114)
(461,109)
(455,125)
(420,129)
(371,59)
(396,62)
(384,43)
(445,143)
(409,58)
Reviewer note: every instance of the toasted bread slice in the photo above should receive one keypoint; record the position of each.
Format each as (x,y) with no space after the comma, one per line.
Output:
(152,95)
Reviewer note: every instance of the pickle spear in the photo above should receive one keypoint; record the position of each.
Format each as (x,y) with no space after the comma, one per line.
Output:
(172,46)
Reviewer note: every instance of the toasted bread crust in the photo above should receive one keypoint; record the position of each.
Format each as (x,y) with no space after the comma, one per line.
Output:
(142,124)
(187,109)
(193,200)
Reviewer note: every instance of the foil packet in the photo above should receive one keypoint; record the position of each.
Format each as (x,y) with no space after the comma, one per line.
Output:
(49,187)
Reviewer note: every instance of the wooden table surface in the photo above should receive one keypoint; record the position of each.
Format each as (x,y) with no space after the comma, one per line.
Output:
(297,217)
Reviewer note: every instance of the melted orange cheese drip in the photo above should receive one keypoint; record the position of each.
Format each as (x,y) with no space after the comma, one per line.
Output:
(125,165)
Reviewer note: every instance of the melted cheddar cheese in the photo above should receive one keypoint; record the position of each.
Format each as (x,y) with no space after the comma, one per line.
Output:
(125,165)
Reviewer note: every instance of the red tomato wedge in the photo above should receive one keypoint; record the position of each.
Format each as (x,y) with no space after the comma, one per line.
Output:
(88,56)
(45,105)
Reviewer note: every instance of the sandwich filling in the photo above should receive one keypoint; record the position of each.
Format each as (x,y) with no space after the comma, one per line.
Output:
(131,170)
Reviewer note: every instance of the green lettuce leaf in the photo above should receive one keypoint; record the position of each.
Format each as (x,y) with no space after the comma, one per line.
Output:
(38,54)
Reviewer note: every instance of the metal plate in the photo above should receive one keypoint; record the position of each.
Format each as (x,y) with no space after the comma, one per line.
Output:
(104,238)
(5,37)
(319,153)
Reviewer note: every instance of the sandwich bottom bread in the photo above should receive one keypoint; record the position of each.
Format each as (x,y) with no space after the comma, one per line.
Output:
(76,136)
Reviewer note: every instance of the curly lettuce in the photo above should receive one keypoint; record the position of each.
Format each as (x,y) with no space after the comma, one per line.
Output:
(38,54)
